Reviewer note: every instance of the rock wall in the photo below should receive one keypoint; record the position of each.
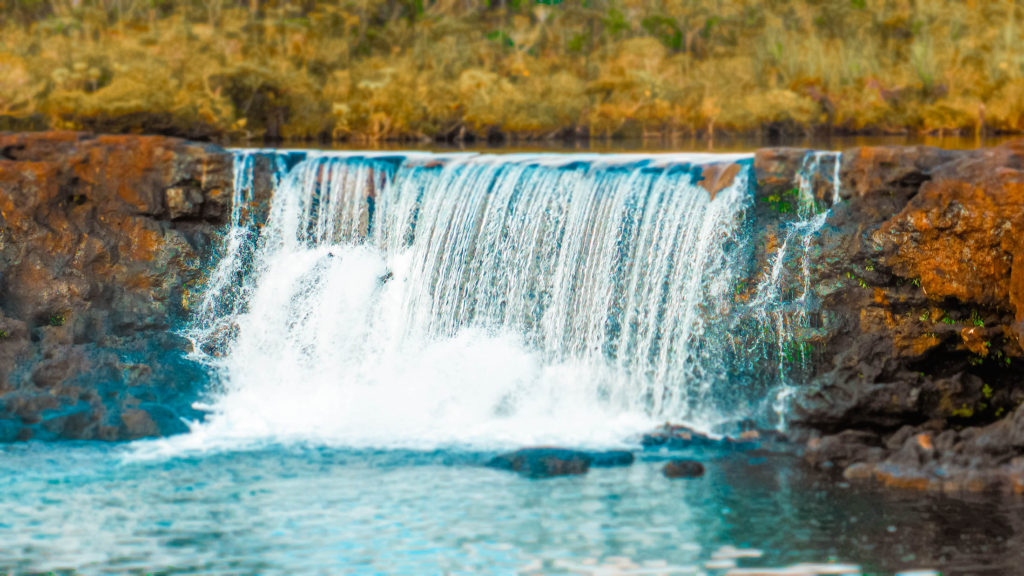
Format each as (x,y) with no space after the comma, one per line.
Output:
(919,377)
(102,240)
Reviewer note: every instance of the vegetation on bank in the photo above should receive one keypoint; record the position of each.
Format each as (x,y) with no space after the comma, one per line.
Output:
(372,70)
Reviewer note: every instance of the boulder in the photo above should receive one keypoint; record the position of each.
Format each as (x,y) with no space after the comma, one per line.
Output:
(544,462)
(683,469)
(611,459)
(677,437)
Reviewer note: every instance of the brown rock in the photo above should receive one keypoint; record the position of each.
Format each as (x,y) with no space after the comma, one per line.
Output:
(888,170)
(683,469)
(716,177)
(776,169)
(955,237)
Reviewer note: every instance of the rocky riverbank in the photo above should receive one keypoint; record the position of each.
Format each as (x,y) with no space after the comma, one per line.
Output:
(916,376)
(102,239)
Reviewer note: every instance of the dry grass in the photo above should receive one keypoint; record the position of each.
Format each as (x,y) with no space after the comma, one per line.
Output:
(367,70)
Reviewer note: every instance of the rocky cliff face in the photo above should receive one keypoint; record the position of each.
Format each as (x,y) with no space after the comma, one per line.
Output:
(919,374)
(101,242)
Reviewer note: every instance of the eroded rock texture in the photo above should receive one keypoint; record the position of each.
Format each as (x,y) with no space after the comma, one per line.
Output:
(920,274)
(101,242)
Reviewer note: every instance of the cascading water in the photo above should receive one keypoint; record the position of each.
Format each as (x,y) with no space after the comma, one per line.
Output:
(426,300)
(784,307)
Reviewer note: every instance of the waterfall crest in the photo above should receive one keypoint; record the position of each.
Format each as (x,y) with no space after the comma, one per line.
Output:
(425,300)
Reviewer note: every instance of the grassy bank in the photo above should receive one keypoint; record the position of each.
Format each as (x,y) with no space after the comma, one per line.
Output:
(365,71)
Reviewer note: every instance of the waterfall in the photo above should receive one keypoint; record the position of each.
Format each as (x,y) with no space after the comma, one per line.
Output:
(425,300)
(784,306)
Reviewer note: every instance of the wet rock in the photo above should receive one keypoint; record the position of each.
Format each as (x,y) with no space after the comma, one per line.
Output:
(776,169)
(82,424)
(718,176)
(919,354)
(973,459)
(611,459)
(543,462)
(844,449)
(137,423)
(103,239)
(683,469)
(676,437)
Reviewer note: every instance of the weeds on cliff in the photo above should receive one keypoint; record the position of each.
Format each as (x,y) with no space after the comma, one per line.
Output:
(964,411)
(795,352)
(976,319)
(780,204)
(4,335)
(57,319)
(857,279)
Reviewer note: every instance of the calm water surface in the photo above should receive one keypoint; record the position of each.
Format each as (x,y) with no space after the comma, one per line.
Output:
(98,509)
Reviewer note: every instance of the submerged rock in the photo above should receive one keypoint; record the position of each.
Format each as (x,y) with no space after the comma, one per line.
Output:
(683,469)
(677,437)
(544,462)
(103,240)
(611,459)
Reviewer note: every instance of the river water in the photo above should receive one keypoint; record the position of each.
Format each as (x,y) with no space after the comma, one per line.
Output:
(276,509)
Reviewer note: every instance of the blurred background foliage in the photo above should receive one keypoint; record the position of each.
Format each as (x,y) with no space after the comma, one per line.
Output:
(364,71)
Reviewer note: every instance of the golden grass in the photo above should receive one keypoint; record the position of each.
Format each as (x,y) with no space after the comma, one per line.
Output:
(367,70)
